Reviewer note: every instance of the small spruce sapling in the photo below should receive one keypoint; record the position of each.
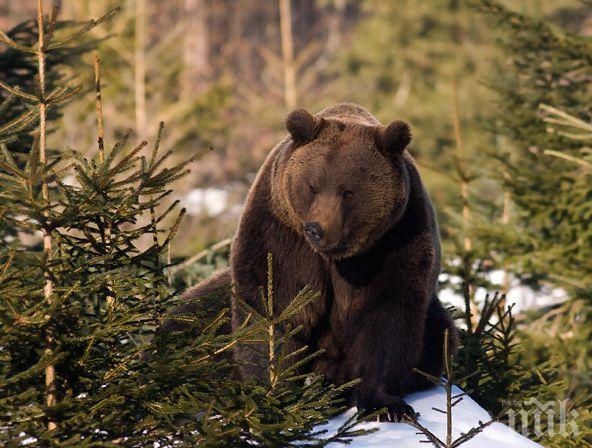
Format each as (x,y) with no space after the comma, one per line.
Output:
(451,401)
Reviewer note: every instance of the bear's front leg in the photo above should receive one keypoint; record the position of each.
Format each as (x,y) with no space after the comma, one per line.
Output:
(386,347)
(295,265)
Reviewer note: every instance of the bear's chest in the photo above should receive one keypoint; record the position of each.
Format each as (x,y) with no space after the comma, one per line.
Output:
(298,268)
(358,285)
(348,301)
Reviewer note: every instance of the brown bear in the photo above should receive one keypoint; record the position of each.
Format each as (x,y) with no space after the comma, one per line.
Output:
(341,206)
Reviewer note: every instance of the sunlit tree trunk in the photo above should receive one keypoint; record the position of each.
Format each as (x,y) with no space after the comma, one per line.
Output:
(140,68)
(288,54)
(335,26)
(196,46)
(467,258)
(506,213)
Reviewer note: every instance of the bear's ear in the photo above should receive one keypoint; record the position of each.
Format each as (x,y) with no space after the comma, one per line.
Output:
(395,137)
(303,126)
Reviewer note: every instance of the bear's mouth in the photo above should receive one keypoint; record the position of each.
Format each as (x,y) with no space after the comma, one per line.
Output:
(324,247)
(339,249)
(331,247)
(336,250)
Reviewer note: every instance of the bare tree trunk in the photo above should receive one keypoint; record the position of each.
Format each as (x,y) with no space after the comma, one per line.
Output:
(468,286)
(335,21)
(288,54)
(505,221)
(335,25)
(196,46)
(50,383)
(140,68)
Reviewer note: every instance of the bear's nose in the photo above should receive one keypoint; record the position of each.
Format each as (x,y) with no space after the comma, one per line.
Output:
(314,231)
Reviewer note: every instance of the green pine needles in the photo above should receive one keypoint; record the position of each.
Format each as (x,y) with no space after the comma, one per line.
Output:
(86,272)
(85,246)
(192,393)
(76,305)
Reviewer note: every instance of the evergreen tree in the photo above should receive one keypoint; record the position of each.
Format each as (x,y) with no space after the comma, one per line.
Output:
(80,305)
(149,80)
(281,411)
(71,309)
(146,71)
(547,241)
(547,66)
(18,70)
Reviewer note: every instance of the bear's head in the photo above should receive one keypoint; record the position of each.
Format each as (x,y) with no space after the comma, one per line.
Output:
(343,182)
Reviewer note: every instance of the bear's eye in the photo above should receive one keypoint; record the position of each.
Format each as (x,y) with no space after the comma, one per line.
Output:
(347,194)
(312,189)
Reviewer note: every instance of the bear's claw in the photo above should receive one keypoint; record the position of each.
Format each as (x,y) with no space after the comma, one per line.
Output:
(397,412)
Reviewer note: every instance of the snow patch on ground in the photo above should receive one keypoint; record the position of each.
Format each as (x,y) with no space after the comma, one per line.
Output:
(465,415)
(523,297)
(211,201)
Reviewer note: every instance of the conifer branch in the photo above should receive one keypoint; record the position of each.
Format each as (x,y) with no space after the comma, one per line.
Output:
(83,30)
(451,402)
(203,254)
(99,107)
(270,323)
(4,38)
(18,92)
(55,11)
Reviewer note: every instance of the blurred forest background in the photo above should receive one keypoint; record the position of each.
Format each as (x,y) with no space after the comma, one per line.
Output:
(224,73)
(498,94)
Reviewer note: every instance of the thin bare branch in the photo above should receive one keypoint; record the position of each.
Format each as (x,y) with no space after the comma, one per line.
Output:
(99,108)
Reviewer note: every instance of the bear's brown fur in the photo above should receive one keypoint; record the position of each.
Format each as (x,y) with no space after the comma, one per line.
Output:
(340,205)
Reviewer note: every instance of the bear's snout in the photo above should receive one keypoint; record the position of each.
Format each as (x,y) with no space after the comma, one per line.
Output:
(314,231)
